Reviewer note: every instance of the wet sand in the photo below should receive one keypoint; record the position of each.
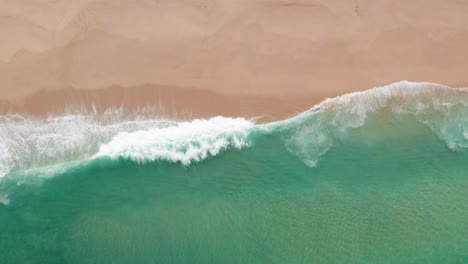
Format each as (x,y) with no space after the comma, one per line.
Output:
(202,58)
(180,103)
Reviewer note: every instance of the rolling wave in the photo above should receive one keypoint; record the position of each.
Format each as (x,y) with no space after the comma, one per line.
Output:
(31,143)
(184,142)
(443,109)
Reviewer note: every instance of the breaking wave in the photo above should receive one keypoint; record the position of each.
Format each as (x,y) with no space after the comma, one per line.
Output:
(443,109)
(184,142)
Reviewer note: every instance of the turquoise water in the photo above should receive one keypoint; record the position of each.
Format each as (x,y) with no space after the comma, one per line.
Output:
(373,177)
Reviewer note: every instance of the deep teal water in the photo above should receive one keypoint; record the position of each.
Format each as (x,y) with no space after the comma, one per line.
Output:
(372,199)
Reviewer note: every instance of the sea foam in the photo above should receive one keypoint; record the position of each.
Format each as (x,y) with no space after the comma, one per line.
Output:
(4,200)
(184,142)
(27,143)
(443,109)
(33,143)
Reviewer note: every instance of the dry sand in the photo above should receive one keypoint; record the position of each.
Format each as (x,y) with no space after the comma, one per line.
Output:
(191,58)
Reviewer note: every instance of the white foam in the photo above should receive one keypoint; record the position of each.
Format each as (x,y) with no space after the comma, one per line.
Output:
(31,143)
(412,97)
(443,109)
(184,142)
(4,200)
(28,143)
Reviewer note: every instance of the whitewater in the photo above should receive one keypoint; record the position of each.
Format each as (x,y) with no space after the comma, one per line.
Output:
(29,143)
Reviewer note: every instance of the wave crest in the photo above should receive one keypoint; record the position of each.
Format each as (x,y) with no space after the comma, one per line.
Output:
(184,142)
(441,108)
(30,143)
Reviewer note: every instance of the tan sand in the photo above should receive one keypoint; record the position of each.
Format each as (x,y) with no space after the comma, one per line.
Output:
(191,58)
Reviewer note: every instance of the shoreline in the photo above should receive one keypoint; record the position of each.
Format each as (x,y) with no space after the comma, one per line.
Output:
(179,103)
(169,102)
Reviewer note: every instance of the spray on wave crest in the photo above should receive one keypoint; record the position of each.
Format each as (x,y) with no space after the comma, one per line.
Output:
(443,109)
(184,142)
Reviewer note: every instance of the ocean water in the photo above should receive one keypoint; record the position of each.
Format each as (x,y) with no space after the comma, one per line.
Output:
(379,176)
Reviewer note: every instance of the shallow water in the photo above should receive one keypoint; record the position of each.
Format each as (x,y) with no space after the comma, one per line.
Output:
(379,178)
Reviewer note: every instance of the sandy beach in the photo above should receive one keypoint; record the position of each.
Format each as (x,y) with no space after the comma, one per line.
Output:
(202,58)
